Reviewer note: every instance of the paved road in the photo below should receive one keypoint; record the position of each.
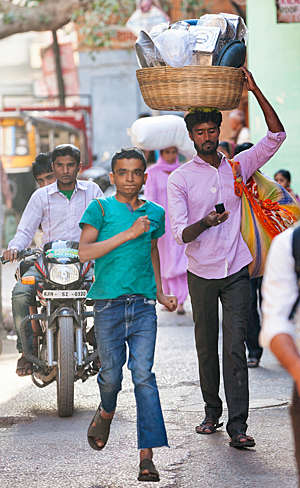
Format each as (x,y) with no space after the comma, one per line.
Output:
(40,450)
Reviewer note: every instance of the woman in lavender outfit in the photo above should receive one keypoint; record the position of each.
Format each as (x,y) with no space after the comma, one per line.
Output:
(172,256)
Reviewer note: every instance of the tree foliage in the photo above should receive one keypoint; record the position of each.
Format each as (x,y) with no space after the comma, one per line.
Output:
(97,20)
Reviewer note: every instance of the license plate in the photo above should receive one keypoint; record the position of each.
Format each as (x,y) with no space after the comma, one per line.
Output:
(64,293)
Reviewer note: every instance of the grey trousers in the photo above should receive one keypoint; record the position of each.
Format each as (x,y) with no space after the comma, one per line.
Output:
(234,293)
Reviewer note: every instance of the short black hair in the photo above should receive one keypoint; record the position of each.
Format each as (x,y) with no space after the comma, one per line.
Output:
(242,147)
(128,153)
(285,173)
(66,150)
(42,164)
(198,116)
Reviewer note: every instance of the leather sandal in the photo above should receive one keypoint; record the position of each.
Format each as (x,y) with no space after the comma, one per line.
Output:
(152,475)
(98,430)
(208,426)
(253,362)
(241,441)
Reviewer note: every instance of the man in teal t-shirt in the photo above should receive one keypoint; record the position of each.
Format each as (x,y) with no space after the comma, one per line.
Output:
(121,234)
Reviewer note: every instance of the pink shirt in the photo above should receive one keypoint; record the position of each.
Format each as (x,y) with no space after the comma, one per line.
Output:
(193,191)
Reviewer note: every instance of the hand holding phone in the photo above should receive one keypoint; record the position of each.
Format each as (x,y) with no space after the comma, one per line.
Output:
(220,208)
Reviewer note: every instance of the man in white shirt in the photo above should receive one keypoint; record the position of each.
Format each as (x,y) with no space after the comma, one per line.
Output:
(280,331)
(58,209)
(239,132)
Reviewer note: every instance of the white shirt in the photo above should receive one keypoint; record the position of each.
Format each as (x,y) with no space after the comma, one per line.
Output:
(58,216)
(244,136)
(280,291)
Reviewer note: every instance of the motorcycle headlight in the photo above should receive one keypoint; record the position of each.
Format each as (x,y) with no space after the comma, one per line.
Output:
(64,273)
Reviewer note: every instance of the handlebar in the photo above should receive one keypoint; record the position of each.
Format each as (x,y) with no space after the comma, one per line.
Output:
(23,254)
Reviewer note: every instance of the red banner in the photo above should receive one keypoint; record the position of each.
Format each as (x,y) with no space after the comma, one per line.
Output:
(288,10)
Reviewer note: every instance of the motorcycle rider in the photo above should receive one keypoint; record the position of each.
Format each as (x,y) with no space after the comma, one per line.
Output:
(57,208)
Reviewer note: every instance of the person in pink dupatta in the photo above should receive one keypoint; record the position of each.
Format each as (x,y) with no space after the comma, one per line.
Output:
(173,260)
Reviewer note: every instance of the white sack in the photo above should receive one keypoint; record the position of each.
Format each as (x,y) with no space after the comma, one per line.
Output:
(159,132)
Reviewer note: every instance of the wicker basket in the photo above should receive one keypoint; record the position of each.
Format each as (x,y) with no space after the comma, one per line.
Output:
(166,88)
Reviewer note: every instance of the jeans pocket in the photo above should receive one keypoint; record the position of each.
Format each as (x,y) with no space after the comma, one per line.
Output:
(101,305)
(148,301)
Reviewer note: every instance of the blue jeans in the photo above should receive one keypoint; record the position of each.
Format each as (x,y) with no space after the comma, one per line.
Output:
(131,319)
(22,297)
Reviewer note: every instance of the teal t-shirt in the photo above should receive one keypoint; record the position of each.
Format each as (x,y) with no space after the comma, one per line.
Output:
(126,270)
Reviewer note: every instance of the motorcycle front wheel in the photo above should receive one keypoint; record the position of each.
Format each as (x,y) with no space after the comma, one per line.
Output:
(65,367)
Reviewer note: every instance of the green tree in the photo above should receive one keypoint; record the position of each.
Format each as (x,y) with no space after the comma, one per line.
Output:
(98,20)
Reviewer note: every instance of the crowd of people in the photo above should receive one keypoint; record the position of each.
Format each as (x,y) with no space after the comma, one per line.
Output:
(182,237)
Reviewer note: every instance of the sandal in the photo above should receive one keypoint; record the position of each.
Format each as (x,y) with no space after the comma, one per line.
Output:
(242,440)
(24,367)
(253,362)
(209,424)
(99,429)
(152,475)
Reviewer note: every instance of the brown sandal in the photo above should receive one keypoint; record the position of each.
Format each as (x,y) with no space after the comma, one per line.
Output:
(147,465)
(99,429)
(208,426)
(241,441)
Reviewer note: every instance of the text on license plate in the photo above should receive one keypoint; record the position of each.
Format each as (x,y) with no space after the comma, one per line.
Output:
(64,293)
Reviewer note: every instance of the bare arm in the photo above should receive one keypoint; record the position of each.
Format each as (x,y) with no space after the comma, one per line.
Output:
(284,348)
(169,301)
(271,117)
(90,249)
(191,232)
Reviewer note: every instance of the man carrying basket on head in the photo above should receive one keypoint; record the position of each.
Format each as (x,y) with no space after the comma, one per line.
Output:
(218,258)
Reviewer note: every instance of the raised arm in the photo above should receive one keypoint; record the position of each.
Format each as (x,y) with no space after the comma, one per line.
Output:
(271,117)
(90,249)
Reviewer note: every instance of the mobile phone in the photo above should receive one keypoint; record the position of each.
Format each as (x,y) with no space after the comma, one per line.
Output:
(220,208)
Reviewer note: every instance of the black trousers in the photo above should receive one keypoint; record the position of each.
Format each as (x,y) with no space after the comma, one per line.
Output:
(295,416)
(234,293)
(253,329)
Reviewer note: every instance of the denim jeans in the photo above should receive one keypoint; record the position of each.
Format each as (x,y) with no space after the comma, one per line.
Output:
(131,319)
(22,297)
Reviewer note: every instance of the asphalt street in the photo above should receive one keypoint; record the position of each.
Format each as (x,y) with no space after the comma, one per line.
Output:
(40,450)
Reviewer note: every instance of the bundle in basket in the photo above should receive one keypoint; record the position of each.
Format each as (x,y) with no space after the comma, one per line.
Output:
(167,88)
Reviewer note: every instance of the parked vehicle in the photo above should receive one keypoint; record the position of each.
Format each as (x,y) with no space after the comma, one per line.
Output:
(64,350)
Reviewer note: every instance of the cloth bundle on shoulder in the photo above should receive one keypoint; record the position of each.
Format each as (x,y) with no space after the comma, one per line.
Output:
(267,210)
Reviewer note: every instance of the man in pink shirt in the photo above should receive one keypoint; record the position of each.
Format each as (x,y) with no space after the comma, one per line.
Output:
(218,258)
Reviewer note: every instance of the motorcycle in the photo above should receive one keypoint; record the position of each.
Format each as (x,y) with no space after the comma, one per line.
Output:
(63,348)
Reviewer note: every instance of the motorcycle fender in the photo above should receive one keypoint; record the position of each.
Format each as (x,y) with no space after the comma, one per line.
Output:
(62,312)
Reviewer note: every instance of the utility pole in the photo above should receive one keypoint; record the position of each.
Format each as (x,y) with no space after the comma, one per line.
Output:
(59,75)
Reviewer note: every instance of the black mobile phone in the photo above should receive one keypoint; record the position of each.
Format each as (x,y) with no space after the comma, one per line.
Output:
(220,208)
